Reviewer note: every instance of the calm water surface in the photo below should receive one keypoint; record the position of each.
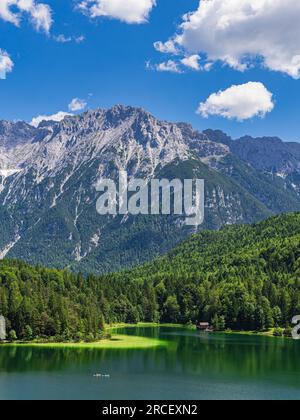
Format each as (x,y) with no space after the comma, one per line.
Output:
(193,366)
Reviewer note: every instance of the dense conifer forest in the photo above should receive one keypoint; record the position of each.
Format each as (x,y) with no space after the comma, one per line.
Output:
(240,278)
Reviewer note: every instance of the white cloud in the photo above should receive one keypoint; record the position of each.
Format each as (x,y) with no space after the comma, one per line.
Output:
(168,66)
(6,64)
(79,39)
(241,33)
(166,47)
(39,13)
(55,117)
(77,105)
(129,11)
(240,102)
(192,62)
(63,39)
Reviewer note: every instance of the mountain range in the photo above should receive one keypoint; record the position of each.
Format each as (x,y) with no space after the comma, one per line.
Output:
(48,176)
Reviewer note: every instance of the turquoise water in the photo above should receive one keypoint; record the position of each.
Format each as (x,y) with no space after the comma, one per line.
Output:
(192,366)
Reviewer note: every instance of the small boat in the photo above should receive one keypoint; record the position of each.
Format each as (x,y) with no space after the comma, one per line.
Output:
(100,375)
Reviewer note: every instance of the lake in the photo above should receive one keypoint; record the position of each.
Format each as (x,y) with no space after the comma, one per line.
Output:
(194,365)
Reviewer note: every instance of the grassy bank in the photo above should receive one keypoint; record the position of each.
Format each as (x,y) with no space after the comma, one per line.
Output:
(113,327)
(116,342)
(268,333)
(123,341)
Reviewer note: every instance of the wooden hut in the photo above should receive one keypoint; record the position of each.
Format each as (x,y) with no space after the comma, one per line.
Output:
(203,326)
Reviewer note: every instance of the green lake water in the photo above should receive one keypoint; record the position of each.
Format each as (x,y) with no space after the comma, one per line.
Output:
(193,366)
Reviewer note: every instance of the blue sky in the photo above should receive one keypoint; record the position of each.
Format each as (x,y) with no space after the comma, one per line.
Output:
(109,67)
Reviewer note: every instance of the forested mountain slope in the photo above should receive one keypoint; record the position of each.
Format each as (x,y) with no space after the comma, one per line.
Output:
(242,277)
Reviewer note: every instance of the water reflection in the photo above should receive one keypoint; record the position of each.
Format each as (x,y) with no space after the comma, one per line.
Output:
(189,355)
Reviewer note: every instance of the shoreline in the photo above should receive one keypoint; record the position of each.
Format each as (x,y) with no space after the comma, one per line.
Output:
(127,342)
(112,327)
(269,333)
(117,342)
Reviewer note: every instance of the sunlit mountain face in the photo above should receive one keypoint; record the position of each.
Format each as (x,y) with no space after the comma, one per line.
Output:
(48,175)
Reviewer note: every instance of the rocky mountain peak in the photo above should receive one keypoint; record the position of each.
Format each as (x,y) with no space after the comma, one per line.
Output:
(269,154)
(218,136)
(13,134)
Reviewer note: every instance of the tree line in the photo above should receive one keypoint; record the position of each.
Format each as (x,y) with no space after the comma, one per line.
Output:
(242,278)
